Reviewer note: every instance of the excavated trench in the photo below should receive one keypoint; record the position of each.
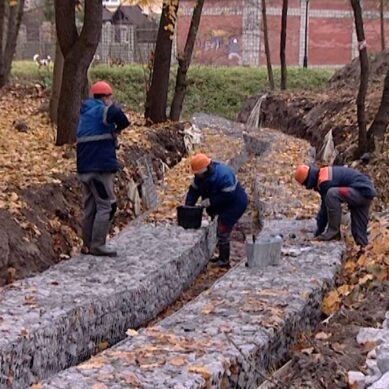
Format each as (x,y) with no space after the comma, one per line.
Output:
(228,335)
(232,333)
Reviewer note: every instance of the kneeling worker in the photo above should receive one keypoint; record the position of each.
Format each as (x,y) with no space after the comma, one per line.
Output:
(221,195)
(337,185)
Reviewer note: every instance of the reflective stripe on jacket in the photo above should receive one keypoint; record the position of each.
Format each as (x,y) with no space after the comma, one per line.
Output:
(336,177)
(95,142)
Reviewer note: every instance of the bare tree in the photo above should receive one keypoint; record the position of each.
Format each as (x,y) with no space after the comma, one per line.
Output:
(284,19)
(11,13)
(380,123)
(78,50)
(267,46)
(364,79)
(184,62)
(56,84)
(156,101)
(382,25)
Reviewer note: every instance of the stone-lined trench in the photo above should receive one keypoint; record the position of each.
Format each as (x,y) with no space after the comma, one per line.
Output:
(64,314)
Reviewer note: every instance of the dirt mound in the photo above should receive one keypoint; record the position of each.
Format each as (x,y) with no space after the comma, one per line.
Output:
(310,115)
(348,75)
(305,115)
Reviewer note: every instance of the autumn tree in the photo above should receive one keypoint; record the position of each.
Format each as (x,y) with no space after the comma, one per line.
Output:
(11,12)
(380,123)
(56,84)
(267,46)
(364,76)
(184,60)
(156,100)
(284,19)
(78,50)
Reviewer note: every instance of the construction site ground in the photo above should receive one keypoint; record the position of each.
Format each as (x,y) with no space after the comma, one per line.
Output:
(40,210)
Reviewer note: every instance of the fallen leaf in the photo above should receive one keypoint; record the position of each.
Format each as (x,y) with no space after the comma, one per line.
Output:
(102,345)
(130,378)
(368,346)
(204,372)
(177,361)
(93,363)
(363,280)
(131,332)
(323,336)
(308,350)
(331,302)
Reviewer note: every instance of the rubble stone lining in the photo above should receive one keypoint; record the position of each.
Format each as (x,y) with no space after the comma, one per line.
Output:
(229,335)
(59,318)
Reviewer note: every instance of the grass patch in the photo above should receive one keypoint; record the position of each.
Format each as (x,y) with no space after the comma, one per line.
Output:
(218,90)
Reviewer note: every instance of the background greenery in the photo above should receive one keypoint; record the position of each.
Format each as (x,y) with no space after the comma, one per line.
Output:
(218,90)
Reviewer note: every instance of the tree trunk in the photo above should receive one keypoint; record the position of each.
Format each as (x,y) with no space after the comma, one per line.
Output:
(364,79)
(381,121)
(184,62)
(2,28)
(284,19)
(56,84)
(156,101)
(78,51)
(267,47)
(10,19)
(382,25)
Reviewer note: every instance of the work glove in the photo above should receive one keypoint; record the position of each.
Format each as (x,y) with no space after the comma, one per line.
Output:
(205,203)
(211,213)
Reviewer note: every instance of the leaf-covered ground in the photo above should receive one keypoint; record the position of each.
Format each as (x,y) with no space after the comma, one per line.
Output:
(40,198)
(40,209)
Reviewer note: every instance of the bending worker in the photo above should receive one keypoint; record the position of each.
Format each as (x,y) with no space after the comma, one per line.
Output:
(100,123)
(337,185)
(221,195)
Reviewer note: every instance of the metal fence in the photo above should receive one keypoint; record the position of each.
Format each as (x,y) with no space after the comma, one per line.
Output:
(119,44)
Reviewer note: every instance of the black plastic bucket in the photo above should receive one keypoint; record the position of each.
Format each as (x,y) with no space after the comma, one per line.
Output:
(189,217)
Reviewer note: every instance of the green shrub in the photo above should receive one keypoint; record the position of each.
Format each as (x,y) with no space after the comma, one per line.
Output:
(218,90)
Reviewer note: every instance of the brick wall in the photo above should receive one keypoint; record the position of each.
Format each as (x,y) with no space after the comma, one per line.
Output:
(224,40)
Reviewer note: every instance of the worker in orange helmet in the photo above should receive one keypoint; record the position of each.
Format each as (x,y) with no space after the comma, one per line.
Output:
(337,185)
(100,123)
(221,194)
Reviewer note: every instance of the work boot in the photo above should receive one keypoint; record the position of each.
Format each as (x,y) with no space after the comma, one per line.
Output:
(99,236)
(224,255)
(333,229)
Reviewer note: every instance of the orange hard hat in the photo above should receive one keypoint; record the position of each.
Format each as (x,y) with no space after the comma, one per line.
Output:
(199,163)
(101,88)
(301,173)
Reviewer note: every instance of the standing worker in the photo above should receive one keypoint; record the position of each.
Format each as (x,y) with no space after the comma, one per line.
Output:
(221,195)
(337,185)
(100,123)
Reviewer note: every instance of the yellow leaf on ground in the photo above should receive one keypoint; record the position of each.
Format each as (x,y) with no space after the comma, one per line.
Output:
(363,280)
(93,363)
(331,302)
(177,361)
(204,372)
(102,345)
(131,332)
(323,336)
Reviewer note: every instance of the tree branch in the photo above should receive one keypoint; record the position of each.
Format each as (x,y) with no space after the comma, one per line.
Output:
(93,20)
(65,21)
